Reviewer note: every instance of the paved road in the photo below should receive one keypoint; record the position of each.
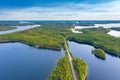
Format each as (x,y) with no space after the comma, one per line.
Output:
(70,59)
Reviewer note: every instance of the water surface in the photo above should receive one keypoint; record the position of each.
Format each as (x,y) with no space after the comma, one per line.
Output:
(108,69)
(22,62)
(19,28)
(114,33)
(110,25)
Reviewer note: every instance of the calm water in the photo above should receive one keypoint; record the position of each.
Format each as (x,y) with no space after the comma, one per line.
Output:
(110,25)
(21,62)
(98,69)
(19,28)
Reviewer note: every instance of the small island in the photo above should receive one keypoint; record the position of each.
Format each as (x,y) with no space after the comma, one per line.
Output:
(5,28)
(99,53)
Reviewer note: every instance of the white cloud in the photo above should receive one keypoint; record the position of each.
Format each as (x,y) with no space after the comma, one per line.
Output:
(70,11)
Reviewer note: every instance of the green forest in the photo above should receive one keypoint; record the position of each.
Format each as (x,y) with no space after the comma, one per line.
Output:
(62,71)
(37,37)
(49,36)
(98,39)
(81,68)
(99,53)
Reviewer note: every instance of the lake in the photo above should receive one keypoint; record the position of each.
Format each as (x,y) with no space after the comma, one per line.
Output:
(110,25)
(22,62)
(108,69)
(19,28)
(114,33)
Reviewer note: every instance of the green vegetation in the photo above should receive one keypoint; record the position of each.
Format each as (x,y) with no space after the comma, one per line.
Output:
(98,39)
(62,71)
(79,65)
(81,68)
(99,29)
(40,37)
(99,53)
(5,28)
(49,36)
(68,48)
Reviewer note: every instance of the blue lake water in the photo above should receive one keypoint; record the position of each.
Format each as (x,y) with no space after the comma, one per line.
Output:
(22,62)
(108,69)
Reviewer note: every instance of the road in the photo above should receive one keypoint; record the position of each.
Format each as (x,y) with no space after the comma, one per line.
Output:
(70,59)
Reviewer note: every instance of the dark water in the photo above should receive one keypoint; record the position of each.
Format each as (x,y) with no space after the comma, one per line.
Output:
(98,69)
(21,62)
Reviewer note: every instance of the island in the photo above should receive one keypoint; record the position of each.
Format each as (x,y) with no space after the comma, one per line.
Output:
(99,53)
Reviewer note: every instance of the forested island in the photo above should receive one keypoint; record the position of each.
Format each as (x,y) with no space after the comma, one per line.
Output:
(99,53)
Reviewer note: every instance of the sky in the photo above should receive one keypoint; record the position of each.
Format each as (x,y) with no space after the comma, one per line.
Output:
(59,9)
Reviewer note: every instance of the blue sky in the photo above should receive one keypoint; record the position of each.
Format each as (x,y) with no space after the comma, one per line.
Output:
(59,10)
(29,3)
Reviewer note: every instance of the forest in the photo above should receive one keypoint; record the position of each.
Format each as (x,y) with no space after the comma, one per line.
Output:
(49,36)
(62,71)
(98,39)
(81,68)
(37,37)
(99,53)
